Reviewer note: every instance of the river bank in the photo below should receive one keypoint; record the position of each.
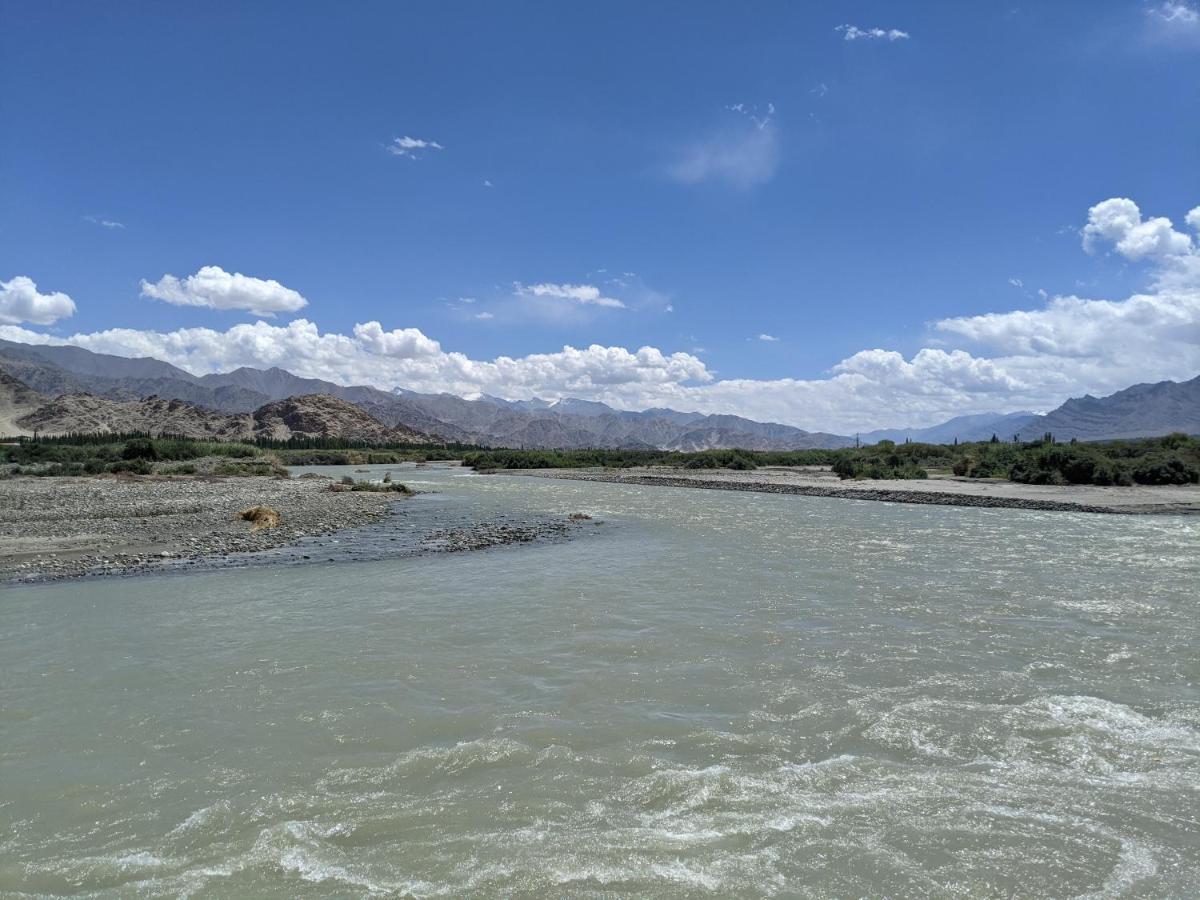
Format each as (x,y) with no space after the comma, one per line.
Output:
(60,528)
(816,481)
(63,527)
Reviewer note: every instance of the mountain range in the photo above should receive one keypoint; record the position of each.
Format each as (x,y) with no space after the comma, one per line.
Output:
(65,388)
(487,421)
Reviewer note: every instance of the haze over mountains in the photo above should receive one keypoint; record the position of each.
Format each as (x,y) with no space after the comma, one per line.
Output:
(65,388)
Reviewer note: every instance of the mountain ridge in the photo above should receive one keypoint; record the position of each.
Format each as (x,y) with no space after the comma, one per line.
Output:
(568,423)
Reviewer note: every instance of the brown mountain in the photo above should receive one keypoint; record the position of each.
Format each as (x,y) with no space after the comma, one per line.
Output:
(320,415)
(315,415)
(89,413)
(17,399)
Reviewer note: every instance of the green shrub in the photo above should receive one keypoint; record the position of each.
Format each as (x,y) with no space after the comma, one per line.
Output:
(136,466)
(139,448)
(1166,468)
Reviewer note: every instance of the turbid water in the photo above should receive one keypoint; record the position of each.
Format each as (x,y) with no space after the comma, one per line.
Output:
(709,694)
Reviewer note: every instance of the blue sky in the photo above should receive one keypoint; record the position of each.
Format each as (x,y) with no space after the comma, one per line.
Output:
(501,181)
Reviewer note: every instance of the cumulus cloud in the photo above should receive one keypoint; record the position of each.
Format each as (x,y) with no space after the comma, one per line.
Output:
(854,33)
(407,357)
(585,294)
(214,288)
(21,301)
(411,147)
(1119,221)
(399,343)
(769,338)
(744,155)
(1003,361)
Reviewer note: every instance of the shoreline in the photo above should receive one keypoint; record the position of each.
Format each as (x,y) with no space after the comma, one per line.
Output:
(70,527)
(55,529)
(937,491)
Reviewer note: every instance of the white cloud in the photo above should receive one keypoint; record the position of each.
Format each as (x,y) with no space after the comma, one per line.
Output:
(1193,219)
(1016,282)
(487,183)
(1019,359)
(483,316)
(104,223)
(399,343)
(409,147)
(769,338)
(20,301)
(585,294)
(1120,222)
(1175,18)
(405,357)
(744,156)
(214,288)
(854,33)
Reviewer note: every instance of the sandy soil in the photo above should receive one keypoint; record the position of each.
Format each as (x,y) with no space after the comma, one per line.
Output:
(946,490)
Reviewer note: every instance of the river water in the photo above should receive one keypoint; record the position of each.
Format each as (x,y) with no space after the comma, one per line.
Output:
(701,694)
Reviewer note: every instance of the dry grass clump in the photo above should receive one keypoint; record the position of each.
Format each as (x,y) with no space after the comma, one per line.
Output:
(261,517)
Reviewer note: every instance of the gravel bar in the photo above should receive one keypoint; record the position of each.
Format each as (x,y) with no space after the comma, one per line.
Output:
(63,527)
(937,491)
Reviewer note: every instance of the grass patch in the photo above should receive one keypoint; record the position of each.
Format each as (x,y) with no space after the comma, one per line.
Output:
(375,487)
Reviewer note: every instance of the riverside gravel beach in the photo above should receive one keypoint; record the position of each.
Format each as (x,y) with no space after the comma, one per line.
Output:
(943,490)
(60,528)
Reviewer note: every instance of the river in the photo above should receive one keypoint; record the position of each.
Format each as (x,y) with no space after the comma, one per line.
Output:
(700,694)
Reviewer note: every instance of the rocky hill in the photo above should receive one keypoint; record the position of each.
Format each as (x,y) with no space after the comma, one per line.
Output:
(17,400)
(314,415)
(320,415)
(89,413)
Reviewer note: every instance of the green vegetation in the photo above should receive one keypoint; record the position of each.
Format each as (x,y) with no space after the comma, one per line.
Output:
(331,443)
(360,457)
(134,445)
(135,453)
(387,486)
(341,452)
(623,459)
(1174,459)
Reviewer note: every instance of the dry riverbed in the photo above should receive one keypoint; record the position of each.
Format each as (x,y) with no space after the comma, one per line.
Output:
(943,490)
